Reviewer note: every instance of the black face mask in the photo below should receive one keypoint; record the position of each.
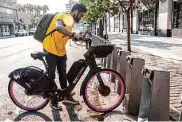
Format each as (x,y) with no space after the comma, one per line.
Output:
(75,17)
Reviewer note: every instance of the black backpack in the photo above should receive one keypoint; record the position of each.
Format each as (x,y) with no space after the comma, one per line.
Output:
(40,33)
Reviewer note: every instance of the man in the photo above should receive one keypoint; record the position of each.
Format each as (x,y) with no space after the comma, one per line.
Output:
(55,44)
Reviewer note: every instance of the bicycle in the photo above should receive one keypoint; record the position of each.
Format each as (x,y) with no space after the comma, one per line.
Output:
(38,88)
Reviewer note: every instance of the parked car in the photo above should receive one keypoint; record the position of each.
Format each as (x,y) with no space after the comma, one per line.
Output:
(21,33)
(32,31)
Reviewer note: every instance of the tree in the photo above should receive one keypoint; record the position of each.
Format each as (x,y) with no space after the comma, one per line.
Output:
(45,8)
(39,8)
(126,6)
(31,8)
(27,8)
(97,10)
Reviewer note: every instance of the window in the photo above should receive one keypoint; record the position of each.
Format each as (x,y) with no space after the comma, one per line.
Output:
(146,20)
(9,11)
(177,15)
(6,10)
(180,16)
(5,28)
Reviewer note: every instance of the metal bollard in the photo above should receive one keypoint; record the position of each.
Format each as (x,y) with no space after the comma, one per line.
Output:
(109,61)
(114,58)
(145,97)
(180,117)
(134,85)
(155,96)
(122,63)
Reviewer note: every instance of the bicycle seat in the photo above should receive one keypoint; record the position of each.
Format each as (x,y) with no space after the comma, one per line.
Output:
(38,55)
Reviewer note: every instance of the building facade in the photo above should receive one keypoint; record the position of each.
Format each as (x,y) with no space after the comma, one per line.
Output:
(7,18)
(69,5)
(163,19)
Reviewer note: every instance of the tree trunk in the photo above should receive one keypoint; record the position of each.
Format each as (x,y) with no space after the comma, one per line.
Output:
(131,20)
(91,27)
(156,16)
(129,28)
(109,23)
(106,26)
(101,28)
(119,22)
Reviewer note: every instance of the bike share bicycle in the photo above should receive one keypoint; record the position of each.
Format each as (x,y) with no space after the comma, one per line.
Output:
(31,88)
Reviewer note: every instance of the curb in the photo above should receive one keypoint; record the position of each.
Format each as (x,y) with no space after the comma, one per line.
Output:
(5,37)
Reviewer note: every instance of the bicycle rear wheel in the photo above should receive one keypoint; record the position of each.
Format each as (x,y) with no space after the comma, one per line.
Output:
(109,98)
(22,100)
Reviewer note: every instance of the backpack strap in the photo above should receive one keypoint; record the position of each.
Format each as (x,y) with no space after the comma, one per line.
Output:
(50,32)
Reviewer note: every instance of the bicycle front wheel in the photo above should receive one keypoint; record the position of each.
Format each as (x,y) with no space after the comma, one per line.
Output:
(108,98)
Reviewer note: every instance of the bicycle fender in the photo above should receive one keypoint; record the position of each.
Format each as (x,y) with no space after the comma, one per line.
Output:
(16,74)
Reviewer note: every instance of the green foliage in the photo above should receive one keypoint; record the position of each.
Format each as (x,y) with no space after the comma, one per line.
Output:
(97,9)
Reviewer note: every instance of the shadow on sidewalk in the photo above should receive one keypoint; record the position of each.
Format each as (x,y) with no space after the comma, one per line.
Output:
(174,115)
(139,41)
(154,44)
(117,118)
(71,112)
(32,115)
(56,115)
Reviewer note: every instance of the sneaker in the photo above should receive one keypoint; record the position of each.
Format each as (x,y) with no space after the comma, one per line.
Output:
(70,100)
(56,106)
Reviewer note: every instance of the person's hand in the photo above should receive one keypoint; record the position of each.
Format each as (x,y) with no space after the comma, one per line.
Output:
(76,37)
(79,37)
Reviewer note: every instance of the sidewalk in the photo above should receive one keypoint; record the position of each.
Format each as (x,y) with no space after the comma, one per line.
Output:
(169,48)
(5,37)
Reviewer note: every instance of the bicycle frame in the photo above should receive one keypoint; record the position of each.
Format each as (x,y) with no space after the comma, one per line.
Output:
(62,93)
(48,93)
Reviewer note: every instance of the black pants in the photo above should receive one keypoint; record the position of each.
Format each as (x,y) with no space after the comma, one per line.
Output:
(54,61)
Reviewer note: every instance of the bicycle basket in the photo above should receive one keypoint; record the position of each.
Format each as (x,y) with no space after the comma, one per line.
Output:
(102,51)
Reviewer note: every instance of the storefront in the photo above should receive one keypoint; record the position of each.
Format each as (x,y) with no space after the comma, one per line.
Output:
(6,29)
(148,19)
(177,19)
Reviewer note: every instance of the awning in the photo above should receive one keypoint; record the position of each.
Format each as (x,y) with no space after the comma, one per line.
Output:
(6,23)
(148,3)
